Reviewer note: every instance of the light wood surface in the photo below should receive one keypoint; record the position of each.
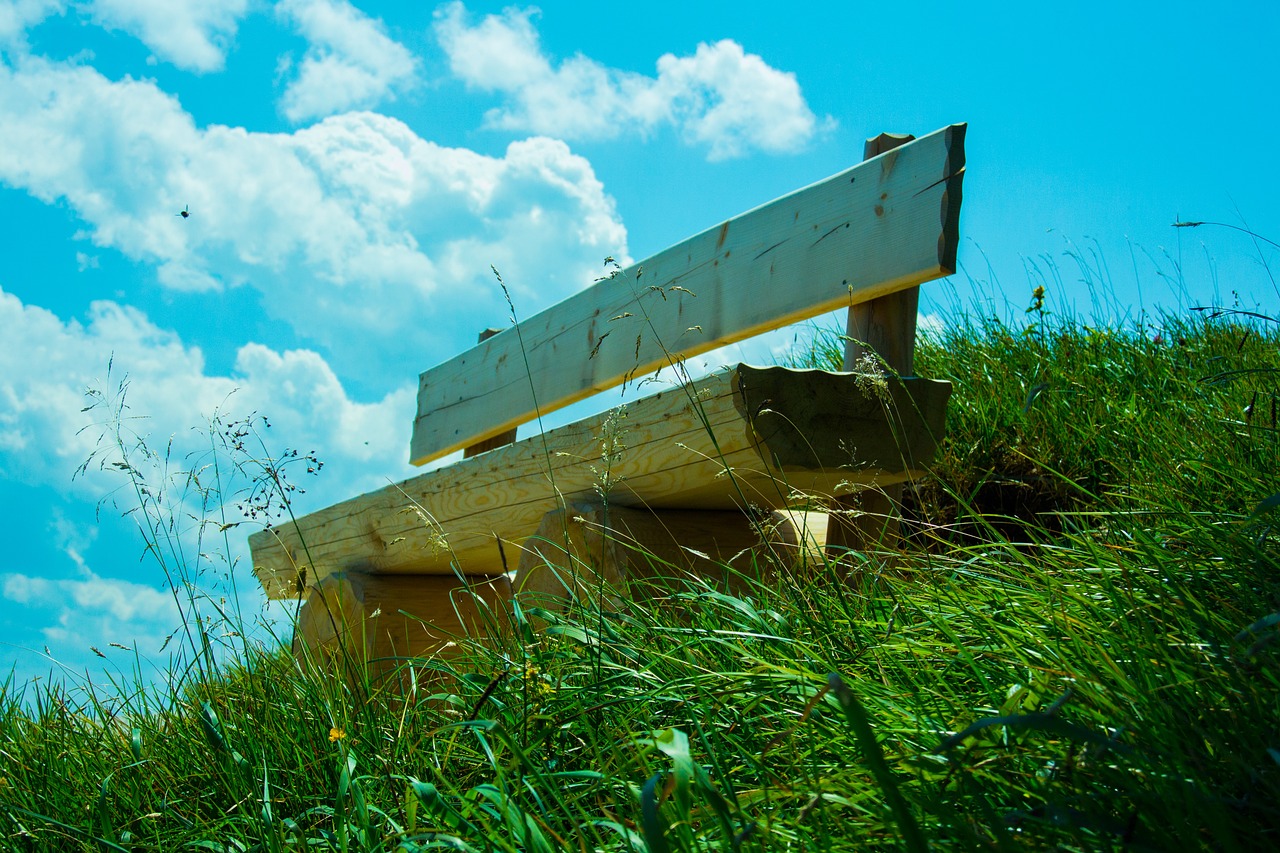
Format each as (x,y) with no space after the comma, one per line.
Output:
(379,621)
(763,437)
(501,439)
(885,327)
(884,225)
(880,336)
(593,551)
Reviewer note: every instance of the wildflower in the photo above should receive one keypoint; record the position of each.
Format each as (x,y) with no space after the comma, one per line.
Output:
(870,375)
(336,734)
(533,680)
(1037,300)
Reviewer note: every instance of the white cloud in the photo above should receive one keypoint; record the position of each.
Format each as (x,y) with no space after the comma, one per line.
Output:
(73,539)
(930,325)
(721,97)
(732,101)
(193,35)
(77,620)
(117,600)
(46,364)
(105,629)
(351,63)
(18,16)
(356,232)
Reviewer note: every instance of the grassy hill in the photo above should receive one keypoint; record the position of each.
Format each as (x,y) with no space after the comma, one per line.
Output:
(1073,649)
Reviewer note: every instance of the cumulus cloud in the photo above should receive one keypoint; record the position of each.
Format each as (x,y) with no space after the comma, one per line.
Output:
(47,363)
(721,97)
(47,432)
(17,16)
(91,625)
(355,232)
(96,600)
(351,62)
(79,621)
(194,35)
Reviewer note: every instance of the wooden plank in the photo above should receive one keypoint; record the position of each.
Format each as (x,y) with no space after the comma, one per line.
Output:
(889,223)
(880,334)
(746,437)
(499,440)
(884,327)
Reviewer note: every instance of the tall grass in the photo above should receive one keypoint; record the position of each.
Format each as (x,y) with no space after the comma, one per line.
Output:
(1075,650)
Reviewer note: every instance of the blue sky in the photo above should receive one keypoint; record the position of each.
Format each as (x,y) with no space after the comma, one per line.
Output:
(352,170)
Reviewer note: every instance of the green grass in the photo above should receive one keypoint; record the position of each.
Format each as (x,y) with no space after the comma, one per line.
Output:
(1075,650)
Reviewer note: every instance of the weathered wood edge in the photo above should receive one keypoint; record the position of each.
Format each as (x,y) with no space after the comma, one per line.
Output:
(949,241)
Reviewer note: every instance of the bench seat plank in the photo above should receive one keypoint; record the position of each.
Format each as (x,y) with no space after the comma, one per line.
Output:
(886,224)
(780,432)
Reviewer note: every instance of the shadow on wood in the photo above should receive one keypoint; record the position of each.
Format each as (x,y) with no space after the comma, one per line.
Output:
(352,620)
(600,554)
(747,437)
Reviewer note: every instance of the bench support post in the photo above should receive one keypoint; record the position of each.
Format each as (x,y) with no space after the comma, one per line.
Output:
(880,334)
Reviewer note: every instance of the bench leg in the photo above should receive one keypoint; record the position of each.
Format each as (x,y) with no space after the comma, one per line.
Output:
(864,530)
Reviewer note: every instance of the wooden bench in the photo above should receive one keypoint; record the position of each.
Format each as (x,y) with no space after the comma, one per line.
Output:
(706,472)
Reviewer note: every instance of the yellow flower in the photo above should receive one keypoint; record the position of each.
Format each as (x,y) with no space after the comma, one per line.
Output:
(533,679)
(336,734)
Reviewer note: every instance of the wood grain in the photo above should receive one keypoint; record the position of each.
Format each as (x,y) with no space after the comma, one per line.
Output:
(501,439)
(362,620)
(880,337)
(762,437)
(889,223)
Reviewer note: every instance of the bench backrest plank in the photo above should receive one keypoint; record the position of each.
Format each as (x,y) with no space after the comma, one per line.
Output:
(886,224)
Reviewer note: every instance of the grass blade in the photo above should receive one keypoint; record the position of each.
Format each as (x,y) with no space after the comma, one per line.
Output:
(874,757)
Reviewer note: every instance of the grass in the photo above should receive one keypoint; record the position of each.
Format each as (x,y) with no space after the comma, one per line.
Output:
(1076,650)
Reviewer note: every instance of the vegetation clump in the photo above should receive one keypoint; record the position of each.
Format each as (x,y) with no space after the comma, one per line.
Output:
(1074,649)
